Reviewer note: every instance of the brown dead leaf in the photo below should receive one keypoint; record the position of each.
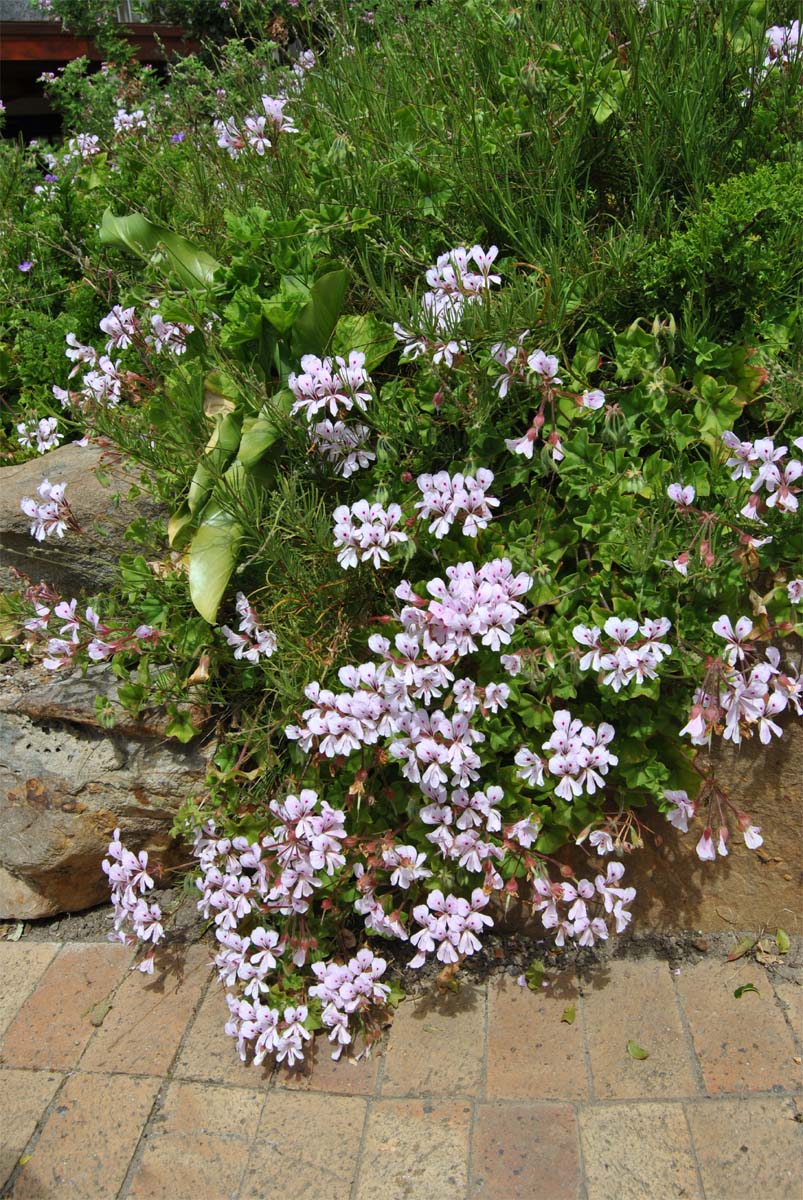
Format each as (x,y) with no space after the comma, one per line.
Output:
(446,980)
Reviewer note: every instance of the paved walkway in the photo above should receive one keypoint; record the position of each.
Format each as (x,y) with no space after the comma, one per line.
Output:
(116,1085)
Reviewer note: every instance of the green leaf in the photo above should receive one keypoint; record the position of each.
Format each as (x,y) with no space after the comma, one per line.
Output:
(213,557)
(782,941)
(568,1015)
(635,1051)
(746,987)
(741,948)
(263,431)
(534,975)
(364,333)
(193,267)
(316,322)
(180,725)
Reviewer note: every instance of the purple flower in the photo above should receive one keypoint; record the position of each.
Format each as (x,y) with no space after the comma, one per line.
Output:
(25,266)
(178,137)
(51,178)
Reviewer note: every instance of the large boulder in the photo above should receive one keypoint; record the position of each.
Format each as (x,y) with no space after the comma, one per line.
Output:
(97,492)
(66,783)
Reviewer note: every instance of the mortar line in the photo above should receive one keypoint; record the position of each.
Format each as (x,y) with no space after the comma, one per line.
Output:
(582,1190)
(693,1145)
(786,1010)
(472,1129)
(696,1065)
(369,1108)
(161,1092)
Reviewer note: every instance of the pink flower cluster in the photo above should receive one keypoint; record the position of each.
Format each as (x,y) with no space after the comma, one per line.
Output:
(50,514)
(129,881)
(258,128)
(347,988)
(83,633)
(579,757)
(453,282)
(345,446)
(737,702)
(365,532)
(683,810)
(446,497)
(775,477)
(577,922)
(516,363)
(622,659)
(44,435)
(332,384)
(449,926)
(126,122)
(252,642)
(267,1030)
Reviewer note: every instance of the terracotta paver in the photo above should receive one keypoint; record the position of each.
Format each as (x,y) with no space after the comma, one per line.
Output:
(633,1151)
(21,967)
(415,1150)
(532,1053)
(742,1044)
(748,1147)
(198,1144)
(321,1073)
(53,1025)
(637,1003)
(437,1046)
(141,1033)
(484,1094)
(209,1055)
(24,1096)
(288,1159)
(520,1151)
(89,1139)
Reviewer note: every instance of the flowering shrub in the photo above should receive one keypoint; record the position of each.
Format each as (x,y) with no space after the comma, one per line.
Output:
(478,556)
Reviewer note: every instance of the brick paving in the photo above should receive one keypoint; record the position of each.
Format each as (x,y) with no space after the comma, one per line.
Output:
(114,1086)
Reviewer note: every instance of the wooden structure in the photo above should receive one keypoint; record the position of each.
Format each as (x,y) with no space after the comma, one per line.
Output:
(29,48)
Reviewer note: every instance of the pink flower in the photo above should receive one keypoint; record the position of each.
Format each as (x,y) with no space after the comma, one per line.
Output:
(684,809)
(684,496)
(705,847)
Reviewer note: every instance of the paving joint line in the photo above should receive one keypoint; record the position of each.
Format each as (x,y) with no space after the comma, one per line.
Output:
(693,1146)
(158,1100)
(786,1010)
(696,1065)
(375,1095)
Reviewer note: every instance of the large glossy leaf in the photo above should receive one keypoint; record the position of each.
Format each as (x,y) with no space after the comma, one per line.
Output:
(316,322)
(263,431)
(363,332)
(212,559)
(220,450)
(193,267)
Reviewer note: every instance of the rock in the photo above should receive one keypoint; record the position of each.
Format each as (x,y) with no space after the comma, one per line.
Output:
(66,783)
(77,563)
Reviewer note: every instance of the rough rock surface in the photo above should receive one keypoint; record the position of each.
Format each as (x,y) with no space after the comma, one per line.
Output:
(76,563)
(66,783)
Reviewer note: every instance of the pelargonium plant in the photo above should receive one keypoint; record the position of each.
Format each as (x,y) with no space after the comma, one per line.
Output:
(506,696)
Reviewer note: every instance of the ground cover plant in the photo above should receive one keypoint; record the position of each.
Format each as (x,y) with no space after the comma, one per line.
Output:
(463,348)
